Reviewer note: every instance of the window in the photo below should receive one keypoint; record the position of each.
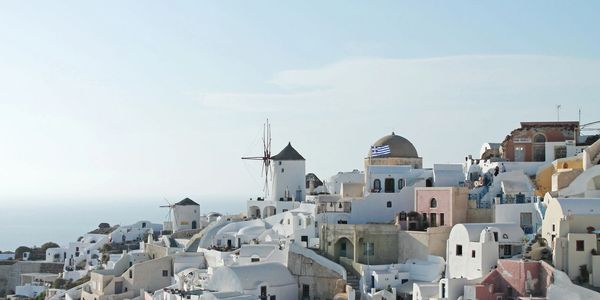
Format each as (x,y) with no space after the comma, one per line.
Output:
(539,138)
(560,152)
(282,170)
(473,253)
(495,236)
(441,219)
(299,222)
(305,291)
(579,245)
(458,250)
(288,221)
(402,216)
(376,185)
(400,183)
(165,273)
(254,259)
(389,204)
(433,203)
(433,219)
(130,273)
(553,227)
(507,250)
(369,249)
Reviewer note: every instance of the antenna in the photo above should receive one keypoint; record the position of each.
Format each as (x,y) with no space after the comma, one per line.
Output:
(266,157)
(558,112)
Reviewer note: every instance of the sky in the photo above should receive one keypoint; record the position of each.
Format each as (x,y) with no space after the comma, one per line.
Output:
(160,99)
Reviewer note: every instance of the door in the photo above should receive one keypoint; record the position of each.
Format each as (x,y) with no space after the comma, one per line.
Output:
(229,244)
(389,185)
(194,225)
(305,292)
(118,287)
(263,292)
(343,249)
(519,153)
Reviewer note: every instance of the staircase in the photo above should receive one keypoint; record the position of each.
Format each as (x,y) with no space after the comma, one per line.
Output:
(353,280)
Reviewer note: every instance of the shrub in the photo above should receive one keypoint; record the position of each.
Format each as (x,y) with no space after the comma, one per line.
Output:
(49,245)
(19,251)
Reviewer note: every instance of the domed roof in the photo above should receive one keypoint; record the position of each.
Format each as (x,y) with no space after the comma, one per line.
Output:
(399,146)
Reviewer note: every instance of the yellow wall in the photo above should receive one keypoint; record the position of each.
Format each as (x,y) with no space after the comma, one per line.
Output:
(543,179)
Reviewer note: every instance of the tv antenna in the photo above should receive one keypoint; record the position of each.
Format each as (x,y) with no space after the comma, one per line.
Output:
(266,156)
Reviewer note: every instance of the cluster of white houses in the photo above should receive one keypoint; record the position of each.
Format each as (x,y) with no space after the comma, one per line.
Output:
(521,221)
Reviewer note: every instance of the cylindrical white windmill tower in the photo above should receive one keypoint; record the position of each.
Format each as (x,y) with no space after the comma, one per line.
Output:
(289,175)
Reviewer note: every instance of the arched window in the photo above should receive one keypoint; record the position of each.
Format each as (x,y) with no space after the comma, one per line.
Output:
(340,205)
(539,138)
(376,185)
(433,203)
(400,183)
(429,182)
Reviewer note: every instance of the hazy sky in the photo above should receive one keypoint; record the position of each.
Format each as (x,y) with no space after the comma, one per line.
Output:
(162,98)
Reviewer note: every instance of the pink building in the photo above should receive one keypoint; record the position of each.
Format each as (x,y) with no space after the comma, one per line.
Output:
(513,279)
(441,206)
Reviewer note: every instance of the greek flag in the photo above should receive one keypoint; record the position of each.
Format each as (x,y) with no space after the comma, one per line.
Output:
(380,150)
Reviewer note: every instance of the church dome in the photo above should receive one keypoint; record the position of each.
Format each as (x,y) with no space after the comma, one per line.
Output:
(399,146)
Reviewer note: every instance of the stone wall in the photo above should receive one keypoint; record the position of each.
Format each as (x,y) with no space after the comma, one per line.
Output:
(480,215)
(320,279)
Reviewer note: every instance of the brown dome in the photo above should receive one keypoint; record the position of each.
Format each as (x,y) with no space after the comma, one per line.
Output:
(399,146)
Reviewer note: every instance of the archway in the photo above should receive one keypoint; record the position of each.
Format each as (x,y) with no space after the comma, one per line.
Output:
(344,248)
(269,211)
(254,212)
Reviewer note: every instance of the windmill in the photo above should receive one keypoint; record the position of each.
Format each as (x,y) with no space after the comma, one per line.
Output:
(266,156)
(168,216)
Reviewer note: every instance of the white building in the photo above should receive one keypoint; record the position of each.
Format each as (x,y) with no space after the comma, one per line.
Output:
(56,254)
(333,185)
(298,225)
(269,280)
(186,215)
(233,235)
(288,186)
(568,228)
(473,249)
(133,232)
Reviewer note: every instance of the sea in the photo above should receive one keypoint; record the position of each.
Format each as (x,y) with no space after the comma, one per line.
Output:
(33,222)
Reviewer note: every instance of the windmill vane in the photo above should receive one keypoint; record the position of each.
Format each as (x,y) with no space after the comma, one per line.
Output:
(266,157)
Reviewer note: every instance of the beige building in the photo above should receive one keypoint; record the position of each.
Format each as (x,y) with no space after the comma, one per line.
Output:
(378,244)
(568,227)
(148,276)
